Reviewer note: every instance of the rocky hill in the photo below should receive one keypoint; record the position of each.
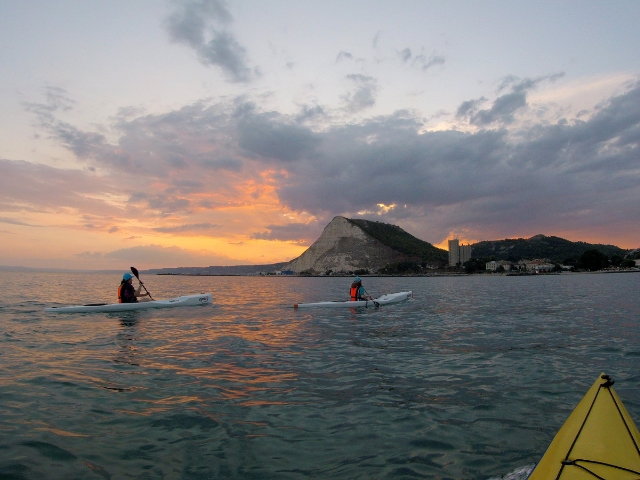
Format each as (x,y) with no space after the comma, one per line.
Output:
(348,245)
(555,249)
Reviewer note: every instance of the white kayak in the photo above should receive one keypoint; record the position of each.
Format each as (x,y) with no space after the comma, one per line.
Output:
(385,299)
(183,301)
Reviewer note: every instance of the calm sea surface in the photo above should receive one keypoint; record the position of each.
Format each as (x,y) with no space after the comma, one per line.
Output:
(470,380)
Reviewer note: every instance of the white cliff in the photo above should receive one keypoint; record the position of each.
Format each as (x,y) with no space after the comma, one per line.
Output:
(344,247)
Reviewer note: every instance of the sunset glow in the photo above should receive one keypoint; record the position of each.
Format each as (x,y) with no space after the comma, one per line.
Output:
(142,141)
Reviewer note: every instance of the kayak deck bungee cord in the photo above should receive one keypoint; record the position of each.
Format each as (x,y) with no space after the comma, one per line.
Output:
(598,441)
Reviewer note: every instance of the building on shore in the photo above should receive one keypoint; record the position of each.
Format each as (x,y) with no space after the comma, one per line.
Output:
(493,265)
(458,254)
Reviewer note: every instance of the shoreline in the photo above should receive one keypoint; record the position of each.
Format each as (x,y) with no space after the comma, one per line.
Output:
(599,272)
(19,269)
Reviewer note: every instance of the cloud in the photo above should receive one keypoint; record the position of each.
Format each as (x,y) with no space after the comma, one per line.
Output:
(364,95)
(90,255)
(469,107)
(12,221)
(310,113)
(275,140)
(188,228)
(301,233)
(56,100)
(30,187)
(194,136)
(505,106)
(342,55)
(167,204)
(376,39)
(223,163)
(507,176)
(547,175)
(405,55)
(190,24)
(502,109)
(425,62)
(147,255)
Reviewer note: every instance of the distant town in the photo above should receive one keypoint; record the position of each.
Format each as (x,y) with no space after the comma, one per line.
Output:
(461,255)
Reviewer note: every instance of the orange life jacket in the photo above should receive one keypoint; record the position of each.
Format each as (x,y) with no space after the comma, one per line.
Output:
(119,293)
(354,292)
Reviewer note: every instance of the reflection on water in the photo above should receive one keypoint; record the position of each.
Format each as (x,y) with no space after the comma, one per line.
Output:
(471,379)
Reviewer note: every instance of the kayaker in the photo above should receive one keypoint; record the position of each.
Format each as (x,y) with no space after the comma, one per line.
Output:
(127,293)
(358,292)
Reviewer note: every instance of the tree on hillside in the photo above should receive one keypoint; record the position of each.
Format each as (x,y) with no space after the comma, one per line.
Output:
(593,260)
(616,260)
(476,265)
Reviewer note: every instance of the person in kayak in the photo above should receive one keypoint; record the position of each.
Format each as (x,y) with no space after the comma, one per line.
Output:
(127,293)
(357,291)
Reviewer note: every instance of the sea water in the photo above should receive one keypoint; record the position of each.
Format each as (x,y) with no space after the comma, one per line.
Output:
(469,380)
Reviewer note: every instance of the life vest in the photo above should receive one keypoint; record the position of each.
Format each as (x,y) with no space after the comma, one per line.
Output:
(354,292)
(124,298)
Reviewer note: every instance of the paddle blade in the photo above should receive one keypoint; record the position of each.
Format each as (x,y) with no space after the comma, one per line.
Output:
(134,270)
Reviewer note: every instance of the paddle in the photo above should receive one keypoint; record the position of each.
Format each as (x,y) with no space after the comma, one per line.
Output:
(374,302)
(134,270)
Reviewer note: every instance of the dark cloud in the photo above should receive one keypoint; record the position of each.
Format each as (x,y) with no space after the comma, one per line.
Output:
(260,136)
(469,107)
(310,113)
(162,203)
(364,95)
(191,23)
(505,106)
(564,176)
(82,144)
(502,109)
(224,51)
(405,55)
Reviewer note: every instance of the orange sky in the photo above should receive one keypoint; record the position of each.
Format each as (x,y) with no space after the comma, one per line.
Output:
(171,135)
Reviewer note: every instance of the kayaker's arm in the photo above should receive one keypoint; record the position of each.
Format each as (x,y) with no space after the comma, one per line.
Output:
(139,294)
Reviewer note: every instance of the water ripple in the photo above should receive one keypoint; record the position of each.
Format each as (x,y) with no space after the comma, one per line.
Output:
(471,379)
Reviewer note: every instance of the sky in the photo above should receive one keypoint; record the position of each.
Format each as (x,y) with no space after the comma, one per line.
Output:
(202,132)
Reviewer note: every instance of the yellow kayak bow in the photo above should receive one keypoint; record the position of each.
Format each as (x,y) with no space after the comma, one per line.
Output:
(598,441)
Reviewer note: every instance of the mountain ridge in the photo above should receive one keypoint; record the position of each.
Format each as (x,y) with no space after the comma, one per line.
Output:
(554,248)
(351,245)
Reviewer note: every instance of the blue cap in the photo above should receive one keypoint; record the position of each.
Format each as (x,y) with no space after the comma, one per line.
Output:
(127,276)
(357,279)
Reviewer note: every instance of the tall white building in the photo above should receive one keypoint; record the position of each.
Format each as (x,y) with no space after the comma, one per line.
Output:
(458,254)
(454,252)
(465,253)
